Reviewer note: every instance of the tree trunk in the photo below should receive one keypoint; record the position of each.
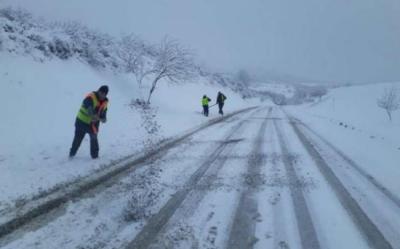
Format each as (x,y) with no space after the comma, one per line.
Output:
(390,115)
(151,91)
(153,87)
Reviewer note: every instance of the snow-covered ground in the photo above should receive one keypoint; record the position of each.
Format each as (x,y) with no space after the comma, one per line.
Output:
(40,101)
(199,188)
(251,179)
(350,119)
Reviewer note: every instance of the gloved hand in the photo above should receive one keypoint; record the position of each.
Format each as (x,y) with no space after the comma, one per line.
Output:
(95,118)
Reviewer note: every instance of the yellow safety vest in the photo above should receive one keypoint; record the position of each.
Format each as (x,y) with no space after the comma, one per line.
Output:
(204,101)
(83,114)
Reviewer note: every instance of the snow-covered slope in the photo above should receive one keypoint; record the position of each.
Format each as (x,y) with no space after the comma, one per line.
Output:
(356,107)
(46,69)
(39,105)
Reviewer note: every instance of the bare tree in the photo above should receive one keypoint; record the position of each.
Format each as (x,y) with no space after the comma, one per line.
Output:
(132,51)
(389,101)
(172,62)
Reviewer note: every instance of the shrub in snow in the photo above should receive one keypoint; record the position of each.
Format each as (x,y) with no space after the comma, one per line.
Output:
(60,48)
(62,40)
(389,101)
(17,15)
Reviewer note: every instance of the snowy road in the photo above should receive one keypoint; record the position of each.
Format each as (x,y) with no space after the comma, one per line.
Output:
(260,179)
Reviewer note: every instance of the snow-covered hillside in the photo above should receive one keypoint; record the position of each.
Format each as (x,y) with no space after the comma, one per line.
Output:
(41,92)
(40,102)
(350,118)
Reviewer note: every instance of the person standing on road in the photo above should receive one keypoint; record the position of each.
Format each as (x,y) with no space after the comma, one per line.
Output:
(92,111)
(204,103)
(220,101)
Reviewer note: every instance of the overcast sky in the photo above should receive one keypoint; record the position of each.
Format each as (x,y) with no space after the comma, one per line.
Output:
(334,40)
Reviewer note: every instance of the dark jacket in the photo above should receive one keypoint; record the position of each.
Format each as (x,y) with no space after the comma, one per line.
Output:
(221,98)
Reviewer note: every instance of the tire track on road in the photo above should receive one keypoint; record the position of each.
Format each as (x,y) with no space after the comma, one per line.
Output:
(308,235)
(390,195)
(368,229)
(147,236)
(56,199)
(242,234)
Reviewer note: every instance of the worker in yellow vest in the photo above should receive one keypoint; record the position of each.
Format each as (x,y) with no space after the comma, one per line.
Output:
(204,103)
(92,111)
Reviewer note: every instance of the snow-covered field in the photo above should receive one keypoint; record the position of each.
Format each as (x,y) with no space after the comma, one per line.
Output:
(251,181)
(350,119)
(40,101)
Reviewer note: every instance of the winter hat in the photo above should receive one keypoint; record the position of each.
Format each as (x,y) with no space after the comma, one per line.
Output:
(103,89)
